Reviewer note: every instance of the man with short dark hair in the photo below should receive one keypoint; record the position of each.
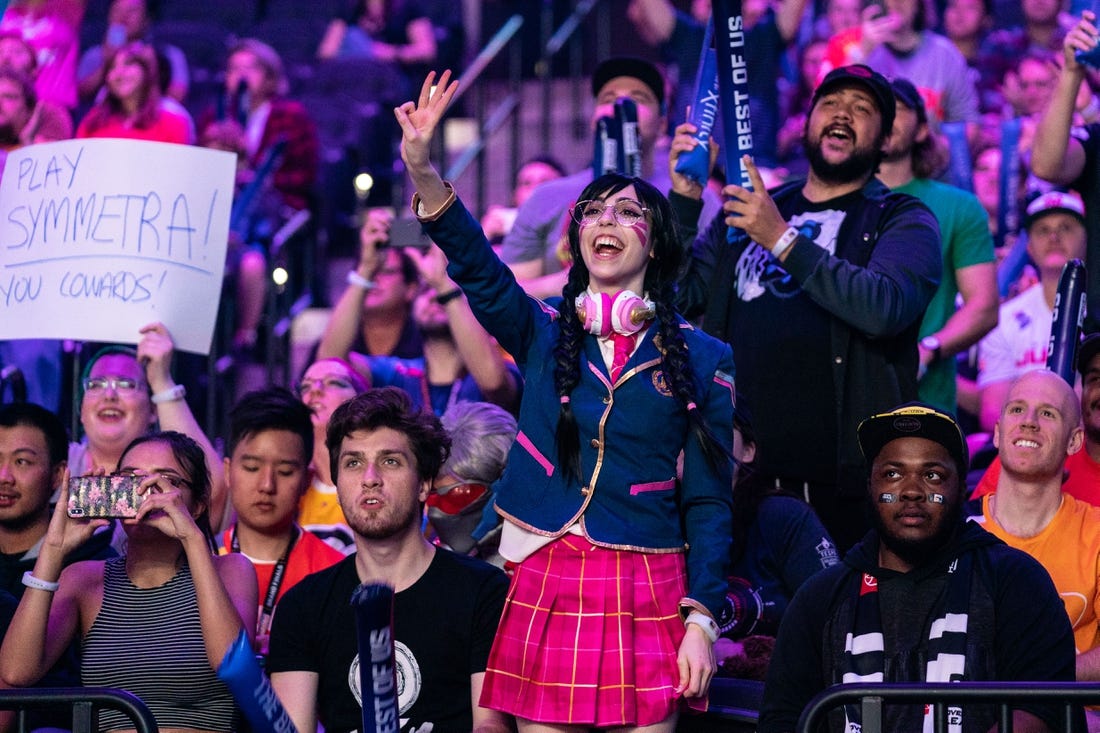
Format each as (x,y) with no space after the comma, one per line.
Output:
(384,456)
(266,472)
(925,597)
(33,456)
(820,294)
(34,447)
(912,158)
(531,248)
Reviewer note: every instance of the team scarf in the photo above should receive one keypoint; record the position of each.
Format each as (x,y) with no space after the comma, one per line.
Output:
(864,657)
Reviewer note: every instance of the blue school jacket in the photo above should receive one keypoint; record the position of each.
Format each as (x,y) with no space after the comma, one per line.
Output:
(631,431)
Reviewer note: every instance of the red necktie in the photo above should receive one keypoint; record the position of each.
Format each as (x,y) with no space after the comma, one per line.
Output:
(624,347)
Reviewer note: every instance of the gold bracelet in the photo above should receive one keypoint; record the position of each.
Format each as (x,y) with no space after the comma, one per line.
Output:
(417,207)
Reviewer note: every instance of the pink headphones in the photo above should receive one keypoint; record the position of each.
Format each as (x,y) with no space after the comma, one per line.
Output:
(625,313)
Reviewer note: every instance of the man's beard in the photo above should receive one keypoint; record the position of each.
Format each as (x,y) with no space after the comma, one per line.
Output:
(387,526)
(861,164)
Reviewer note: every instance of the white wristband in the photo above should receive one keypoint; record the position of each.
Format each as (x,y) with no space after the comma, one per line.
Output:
(705,622)
(172,394)
(1091,110)
(38,584)
(784,243)
(358,281)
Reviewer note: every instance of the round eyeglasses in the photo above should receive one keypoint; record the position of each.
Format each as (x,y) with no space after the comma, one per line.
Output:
(627,212)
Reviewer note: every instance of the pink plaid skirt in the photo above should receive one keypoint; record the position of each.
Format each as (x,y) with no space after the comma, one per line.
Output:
(589,636)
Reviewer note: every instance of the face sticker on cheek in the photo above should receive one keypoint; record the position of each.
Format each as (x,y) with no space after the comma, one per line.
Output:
(642,230)
(886,498)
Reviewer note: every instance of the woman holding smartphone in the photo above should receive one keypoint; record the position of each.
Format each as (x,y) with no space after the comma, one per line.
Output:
(621,562)
(156,621)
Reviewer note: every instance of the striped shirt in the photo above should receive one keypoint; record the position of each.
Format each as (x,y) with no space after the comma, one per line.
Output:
(149,641)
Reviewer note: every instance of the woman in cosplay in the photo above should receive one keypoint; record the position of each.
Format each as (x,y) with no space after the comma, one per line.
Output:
(620,571)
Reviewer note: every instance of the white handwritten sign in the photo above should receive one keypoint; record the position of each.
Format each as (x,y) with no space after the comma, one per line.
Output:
(100,237)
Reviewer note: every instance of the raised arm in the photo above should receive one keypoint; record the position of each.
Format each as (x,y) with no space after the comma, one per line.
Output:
(347,315)
(1055,155)
(480,355)
(154,353)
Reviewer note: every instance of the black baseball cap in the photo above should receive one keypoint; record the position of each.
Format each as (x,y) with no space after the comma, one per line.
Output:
(906,93)
(914,420)
(1089,348)
(633,67)
(862,76)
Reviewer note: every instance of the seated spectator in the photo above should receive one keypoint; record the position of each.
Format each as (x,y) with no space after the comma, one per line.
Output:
(374,314)
(49,120)
(128,21)
(251,228)
(132,107)
(384,457)
(155,622)
(17,102)
(33,451)
(839,16)
(33,445)
(912,158)
(255,88)
(460,360)
(900,43)
(392,31)
(1055,235)
(533,249)
(124,393)
(1041,33)
(1081,472)
(778,544)
(326,384)
(51,27)
(268,450)
(481,435)
(867,619)
(966,24)
(498,220)
(1038,431)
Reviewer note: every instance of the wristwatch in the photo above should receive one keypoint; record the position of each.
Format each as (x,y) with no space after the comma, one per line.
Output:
(932,344)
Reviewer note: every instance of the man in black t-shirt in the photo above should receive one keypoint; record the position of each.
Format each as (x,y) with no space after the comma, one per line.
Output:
(820,294)
(384,457)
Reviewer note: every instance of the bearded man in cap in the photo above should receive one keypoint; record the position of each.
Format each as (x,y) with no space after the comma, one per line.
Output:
(820,293)
(925,596)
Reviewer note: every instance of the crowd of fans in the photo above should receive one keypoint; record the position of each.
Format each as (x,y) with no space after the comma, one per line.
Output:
(922,173)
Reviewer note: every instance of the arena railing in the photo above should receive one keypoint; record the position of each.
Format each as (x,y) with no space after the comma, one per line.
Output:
(83,701)
(873,699)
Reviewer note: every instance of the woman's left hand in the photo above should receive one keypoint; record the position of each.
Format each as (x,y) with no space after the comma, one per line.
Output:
(419,119)
(163,507)
(695,660)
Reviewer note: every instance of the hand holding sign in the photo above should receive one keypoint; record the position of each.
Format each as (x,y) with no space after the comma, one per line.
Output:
(685,141)
(752,209)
